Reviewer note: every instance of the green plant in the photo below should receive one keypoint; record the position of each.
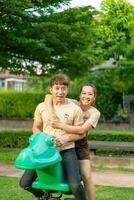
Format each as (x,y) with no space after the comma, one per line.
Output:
(8,155)
(111,135)
(102,192)
(19,104)
(19,139)
(14,139)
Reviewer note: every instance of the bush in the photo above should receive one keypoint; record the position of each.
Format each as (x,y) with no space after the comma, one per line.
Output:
(108,99)
(19,104)
(19,139)
(16,139)
(110,135)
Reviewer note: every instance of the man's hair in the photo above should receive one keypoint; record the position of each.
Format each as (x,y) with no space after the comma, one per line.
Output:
(59,79)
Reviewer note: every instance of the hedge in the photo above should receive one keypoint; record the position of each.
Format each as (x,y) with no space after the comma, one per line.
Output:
(14,139)
(20,105)
(19,139)
(112,135)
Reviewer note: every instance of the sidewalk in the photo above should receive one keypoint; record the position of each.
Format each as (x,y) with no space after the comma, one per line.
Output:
(108,178)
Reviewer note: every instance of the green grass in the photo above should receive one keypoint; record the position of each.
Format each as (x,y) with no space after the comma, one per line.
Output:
(114,193)
(9,189)
(109,168)
(8,155)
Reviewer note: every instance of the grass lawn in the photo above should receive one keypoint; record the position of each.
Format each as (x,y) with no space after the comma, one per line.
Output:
(8,155)
(9,189)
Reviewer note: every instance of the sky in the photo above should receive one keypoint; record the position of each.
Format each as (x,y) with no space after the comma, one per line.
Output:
(95,3)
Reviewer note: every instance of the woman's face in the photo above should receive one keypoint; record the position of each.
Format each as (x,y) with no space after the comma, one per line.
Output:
(87,96)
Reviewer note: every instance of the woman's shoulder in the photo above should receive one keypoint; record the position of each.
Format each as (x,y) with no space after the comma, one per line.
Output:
(92,109)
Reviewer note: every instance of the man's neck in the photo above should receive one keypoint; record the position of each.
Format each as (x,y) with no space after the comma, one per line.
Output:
(59,103)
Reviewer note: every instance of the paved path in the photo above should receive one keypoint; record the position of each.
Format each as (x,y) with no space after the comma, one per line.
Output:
(119,179)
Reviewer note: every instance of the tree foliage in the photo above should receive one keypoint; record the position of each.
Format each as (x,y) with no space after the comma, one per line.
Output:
(35,34)
(108,98)
(118,32)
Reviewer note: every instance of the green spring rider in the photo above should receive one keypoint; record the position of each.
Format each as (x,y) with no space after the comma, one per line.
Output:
(42,155)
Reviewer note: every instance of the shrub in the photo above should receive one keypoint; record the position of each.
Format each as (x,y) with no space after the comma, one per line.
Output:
(19,104)
(14,139)
(19,139)
(111,135)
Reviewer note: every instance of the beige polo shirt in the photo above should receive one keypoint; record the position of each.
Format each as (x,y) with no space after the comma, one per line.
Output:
(68,113)
(92,115)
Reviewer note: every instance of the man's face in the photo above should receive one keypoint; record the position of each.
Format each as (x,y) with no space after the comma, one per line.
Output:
(59,92)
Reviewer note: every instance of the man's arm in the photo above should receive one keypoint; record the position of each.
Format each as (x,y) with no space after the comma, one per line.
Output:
(37,126)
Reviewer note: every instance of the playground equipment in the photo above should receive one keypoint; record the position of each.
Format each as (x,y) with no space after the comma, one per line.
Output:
(42,155)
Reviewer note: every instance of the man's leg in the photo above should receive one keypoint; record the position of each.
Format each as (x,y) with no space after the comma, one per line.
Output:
(87,179)
(26,181)
(72,173)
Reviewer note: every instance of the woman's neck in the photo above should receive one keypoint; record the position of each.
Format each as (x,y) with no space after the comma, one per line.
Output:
(84,108)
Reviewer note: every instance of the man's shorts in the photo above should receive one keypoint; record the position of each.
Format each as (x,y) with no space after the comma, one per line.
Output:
(82,149)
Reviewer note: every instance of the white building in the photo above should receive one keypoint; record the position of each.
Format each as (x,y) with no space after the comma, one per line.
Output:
(11,81)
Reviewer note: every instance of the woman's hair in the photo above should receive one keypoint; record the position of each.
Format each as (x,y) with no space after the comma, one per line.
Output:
(91,85)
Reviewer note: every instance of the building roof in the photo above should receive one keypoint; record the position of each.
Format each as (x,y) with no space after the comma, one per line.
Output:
(107,64)
(7,74)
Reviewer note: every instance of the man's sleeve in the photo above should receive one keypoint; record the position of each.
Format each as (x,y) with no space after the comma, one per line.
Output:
(37,114)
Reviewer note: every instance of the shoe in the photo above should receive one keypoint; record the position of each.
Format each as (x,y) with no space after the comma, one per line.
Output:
(45,196)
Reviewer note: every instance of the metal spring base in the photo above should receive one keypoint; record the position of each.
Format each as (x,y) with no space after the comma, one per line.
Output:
(55,196)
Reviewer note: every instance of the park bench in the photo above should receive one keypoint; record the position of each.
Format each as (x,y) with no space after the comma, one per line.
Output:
(109,145)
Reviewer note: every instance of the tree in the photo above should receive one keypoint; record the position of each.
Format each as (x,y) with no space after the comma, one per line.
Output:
(117,32)
(34,34)
(19,41)
(124,74)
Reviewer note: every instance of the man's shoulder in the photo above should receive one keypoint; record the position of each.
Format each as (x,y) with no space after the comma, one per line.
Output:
(75,109)
(40,107)
(73,103)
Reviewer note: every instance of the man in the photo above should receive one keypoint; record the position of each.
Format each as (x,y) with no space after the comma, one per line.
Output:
(70,114)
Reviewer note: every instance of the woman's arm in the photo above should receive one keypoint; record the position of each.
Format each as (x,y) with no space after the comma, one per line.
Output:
(79,130)
(49,105)
(55,123)
(60,141)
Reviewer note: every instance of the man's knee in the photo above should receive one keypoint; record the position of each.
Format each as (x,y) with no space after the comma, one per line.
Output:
(75,187)
(23,184)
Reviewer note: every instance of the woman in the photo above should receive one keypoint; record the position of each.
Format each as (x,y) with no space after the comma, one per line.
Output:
(91,116)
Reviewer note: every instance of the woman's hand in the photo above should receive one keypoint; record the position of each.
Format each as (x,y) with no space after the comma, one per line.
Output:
(55,123)
(61,140)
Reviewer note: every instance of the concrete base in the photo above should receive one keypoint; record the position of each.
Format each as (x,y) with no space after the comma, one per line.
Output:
(113,162)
